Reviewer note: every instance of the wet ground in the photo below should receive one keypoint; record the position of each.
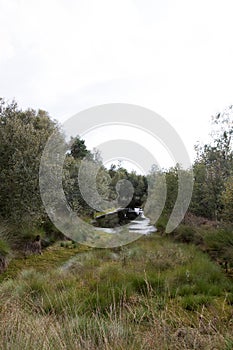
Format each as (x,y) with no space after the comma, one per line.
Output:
(141,225)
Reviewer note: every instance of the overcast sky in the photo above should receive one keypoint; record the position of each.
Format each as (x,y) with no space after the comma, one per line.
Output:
(172,56)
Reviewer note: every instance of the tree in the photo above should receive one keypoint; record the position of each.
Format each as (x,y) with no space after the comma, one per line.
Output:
(85,181)
(202,203)
(227,200)
(78,149)
(138,186)
(23,135)
(212,167)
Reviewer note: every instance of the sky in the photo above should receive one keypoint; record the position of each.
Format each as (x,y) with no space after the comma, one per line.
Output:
(171,56)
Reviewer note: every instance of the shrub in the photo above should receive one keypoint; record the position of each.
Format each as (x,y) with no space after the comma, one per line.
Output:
(187,234)
(4,248)
(161,224)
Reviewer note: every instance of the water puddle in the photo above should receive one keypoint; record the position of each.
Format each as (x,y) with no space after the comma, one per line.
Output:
(141,225)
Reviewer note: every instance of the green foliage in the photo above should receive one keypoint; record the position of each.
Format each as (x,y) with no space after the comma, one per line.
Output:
(19,235)
(69,244)
(229,344)
(199,277)
(227,200)
(23,136)
(152,294)
(172,189)
(78,149)
(96,186)
(212,169)
(220,244)
(202,203)
(139,183)
(161,224)
(187,234)
(195,302)
(98,300)
(4,248)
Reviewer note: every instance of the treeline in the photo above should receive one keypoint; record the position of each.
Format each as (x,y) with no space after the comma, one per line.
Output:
(213,172)
(212,196)
(23,136)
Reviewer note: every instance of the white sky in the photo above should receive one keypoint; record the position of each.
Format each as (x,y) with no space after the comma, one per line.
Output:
(172,56)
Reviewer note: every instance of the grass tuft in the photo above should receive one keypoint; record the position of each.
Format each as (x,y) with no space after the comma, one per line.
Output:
(151,294)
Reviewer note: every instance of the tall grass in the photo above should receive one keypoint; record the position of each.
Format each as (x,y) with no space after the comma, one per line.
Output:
(4,246)
(152,294)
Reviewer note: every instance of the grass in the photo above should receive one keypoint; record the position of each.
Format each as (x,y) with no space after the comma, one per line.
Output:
(151,294)
(217,241)
(51,258)
(4,248)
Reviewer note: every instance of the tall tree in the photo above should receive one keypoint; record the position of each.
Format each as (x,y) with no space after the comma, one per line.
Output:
(23,135)
(78,149)
(213,166)
(227,200)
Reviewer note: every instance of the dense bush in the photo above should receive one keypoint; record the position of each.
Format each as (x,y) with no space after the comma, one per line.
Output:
(187,234)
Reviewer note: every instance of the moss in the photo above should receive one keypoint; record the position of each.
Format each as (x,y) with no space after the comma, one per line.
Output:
(51,258)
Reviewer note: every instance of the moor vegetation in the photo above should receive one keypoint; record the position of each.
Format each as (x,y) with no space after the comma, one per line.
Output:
(163,291)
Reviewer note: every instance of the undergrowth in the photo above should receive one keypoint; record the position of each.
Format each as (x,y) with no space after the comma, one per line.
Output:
(151,294)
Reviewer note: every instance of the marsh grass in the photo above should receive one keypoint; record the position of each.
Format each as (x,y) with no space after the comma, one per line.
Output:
(4,248)
(219,243)
(151,294)
(4,245)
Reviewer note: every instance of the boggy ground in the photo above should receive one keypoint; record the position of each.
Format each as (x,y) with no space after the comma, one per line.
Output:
(152,294)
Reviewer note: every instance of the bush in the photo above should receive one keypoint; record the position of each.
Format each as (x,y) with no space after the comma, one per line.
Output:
(219,238)
(219,243)
(4,248)
(187,234)
(161,224)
